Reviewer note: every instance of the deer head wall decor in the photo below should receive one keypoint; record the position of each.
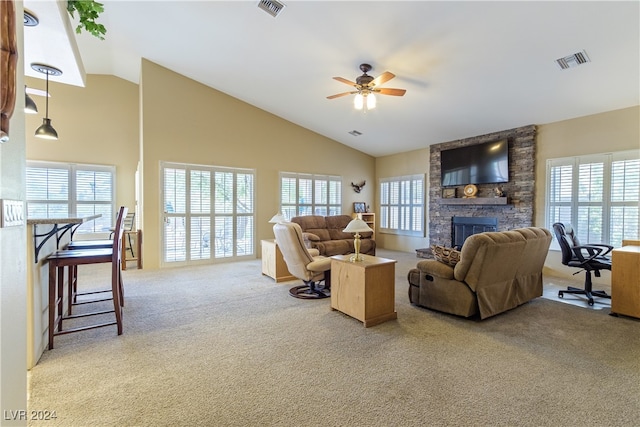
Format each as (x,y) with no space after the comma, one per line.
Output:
(358,187)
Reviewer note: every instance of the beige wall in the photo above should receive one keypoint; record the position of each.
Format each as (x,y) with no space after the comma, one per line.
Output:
(408,163)
(97,124)
(185,121)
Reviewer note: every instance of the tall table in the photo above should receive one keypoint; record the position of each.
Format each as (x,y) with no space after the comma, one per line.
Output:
(364,289)
(625,280)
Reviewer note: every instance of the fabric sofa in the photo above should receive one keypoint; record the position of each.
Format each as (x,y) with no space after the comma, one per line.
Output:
(325,234)
(497,271)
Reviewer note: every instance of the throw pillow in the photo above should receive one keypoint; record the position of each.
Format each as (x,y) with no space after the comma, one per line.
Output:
(445,255)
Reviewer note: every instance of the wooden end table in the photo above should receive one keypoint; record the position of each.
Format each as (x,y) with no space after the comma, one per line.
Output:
(364,289)
(273,264)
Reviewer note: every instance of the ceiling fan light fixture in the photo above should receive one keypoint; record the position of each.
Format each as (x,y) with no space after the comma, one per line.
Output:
(358,101)
(371,101)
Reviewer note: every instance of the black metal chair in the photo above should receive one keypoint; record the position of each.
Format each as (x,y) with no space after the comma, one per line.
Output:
(590,258)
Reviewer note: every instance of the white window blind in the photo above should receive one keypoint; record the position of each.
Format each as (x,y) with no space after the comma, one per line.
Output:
(598,195)
(402,205)
(307,194)
(66,189)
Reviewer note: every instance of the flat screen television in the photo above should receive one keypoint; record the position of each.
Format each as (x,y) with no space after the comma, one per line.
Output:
(476,164)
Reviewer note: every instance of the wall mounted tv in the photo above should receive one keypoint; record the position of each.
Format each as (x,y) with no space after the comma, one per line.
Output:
(476,164)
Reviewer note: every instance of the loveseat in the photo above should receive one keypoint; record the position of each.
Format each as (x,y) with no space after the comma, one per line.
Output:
(325,234)
(496,271)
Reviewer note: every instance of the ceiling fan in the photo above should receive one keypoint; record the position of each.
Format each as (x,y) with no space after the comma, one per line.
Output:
(366,86)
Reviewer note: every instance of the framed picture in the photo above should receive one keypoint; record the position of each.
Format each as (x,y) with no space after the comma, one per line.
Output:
(359,207)
(448,193)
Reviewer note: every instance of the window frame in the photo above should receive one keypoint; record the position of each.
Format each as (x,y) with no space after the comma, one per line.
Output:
(333,197)
(100,225)
(405,211)
(573,203)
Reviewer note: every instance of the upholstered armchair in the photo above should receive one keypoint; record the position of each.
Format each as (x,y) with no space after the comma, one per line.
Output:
(303,263)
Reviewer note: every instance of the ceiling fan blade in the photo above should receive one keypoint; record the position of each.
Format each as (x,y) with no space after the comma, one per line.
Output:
(384,77)
(345,81)
(341,94)
(394,92)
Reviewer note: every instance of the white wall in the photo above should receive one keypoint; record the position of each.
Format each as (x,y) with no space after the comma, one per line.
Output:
(13,256)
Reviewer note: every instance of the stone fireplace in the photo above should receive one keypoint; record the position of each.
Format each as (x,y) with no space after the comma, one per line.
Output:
(513,211)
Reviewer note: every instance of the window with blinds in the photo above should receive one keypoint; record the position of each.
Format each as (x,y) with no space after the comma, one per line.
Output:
(402,205)
(306,194)
(68,189)
(598,195)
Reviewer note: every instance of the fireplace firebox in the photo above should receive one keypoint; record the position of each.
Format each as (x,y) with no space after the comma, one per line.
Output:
(463,227)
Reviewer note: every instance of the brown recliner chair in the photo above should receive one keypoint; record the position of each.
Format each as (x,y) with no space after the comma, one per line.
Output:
(303,263)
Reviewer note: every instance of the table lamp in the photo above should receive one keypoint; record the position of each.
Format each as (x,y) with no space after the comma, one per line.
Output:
(357,226)
(277,218)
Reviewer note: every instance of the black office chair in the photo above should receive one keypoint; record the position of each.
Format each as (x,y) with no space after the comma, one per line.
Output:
(589,257)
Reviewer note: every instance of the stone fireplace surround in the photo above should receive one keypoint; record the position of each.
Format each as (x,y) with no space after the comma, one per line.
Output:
(516,213)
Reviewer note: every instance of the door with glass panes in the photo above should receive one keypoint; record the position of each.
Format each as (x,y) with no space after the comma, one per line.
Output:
(208,213)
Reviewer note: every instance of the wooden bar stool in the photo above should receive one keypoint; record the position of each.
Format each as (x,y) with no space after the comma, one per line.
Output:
(72,259)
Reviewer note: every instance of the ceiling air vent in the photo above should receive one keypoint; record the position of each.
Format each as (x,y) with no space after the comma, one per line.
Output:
(355,133)
(272,7)
(574,60)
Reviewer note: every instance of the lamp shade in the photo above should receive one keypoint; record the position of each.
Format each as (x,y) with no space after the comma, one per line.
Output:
(371,101)
(358,101)
(46,131)
(357,226)
(277,218)
(30,106)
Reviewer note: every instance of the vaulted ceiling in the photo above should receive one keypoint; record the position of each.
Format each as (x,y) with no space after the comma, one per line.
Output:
(469,68)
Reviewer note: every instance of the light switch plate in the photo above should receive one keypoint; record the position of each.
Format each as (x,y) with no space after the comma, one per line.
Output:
(12,213)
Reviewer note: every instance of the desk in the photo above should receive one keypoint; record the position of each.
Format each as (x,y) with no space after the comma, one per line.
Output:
(364,289)
(625,281)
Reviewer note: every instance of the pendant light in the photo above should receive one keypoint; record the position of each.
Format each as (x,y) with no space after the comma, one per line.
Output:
(46,131)
(30,106)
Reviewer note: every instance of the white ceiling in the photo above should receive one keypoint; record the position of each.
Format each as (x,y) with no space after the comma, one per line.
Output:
(469,68)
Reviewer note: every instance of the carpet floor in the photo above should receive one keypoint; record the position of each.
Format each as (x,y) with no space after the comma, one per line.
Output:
(223,345)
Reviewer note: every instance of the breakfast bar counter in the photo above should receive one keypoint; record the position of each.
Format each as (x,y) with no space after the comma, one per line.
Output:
(44,237)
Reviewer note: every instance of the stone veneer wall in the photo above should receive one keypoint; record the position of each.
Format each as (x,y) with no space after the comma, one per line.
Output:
(519,190)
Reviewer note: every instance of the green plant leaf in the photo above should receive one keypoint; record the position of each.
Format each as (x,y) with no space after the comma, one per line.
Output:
(88,12)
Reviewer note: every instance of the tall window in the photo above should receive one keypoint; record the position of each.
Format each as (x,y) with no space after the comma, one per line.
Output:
(598,195)
(402,205)
(66,190)
(208,213)
(305,194)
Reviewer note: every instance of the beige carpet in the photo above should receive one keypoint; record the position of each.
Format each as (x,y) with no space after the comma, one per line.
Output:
(224,346)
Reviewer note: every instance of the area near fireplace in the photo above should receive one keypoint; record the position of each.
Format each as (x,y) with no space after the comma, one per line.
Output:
(463,227)
(513,212)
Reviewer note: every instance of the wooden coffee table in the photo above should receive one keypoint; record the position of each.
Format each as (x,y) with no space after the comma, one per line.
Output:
(364,289)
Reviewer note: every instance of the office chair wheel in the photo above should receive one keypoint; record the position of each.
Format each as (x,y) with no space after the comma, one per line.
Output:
(590,301)
(560,294)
